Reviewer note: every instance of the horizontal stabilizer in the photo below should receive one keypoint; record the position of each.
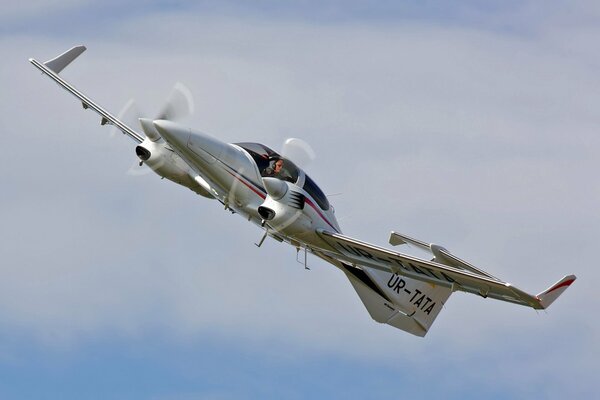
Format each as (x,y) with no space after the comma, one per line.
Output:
(399,238)
(59,63)
(548,296)
(441,255)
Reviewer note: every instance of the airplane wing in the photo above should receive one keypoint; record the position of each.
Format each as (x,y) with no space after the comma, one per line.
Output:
(454,276)
(54,66)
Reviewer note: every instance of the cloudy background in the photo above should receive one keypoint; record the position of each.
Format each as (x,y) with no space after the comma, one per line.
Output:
(469,125)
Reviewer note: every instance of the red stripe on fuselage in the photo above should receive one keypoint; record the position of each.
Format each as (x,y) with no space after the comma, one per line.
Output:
(261,195)
(310,203)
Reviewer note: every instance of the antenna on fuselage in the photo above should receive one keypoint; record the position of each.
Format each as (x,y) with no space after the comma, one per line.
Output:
(305,257)
(262,239)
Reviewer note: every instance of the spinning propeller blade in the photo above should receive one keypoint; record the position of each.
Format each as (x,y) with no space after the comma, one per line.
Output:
(298,151)
(178,105)
(129,114)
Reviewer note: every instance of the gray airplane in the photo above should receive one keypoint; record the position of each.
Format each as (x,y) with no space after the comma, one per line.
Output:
(268,189)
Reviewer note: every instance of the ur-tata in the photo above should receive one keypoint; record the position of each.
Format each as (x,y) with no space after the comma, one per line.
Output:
(268,189)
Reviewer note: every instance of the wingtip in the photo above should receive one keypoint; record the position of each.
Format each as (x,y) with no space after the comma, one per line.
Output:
(549,295)
(564,282)
(58,63)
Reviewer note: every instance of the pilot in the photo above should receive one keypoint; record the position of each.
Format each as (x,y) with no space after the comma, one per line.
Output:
(277,167)
(277,170)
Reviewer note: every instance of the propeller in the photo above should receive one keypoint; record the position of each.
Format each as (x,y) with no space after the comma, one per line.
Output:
(129,114)
(298,151)
(301,153)
(178,105)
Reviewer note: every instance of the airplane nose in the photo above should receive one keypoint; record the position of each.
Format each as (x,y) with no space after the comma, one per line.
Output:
(172,132)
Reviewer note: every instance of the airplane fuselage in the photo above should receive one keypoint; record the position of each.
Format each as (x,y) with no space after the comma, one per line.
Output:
(289,207)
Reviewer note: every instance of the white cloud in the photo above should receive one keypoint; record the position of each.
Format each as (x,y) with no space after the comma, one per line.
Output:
(12,11)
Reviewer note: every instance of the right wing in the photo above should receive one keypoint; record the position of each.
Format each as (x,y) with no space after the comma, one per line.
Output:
(456,276)
(54,66)
(407,292)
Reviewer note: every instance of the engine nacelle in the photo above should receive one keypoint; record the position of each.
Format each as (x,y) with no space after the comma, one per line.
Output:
(166,163)
(283,209)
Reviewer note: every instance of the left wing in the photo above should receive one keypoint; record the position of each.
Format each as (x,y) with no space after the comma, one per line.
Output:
(454,276)
(57,64)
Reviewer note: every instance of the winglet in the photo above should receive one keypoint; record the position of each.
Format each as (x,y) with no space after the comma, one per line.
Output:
(548,296)
(59,63)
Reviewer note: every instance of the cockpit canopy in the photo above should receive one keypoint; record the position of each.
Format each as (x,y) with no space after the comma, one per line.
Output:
(271,164)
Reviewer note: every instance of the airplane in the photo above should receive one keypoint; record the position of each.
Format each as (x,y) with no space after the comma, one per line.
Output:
(270,190)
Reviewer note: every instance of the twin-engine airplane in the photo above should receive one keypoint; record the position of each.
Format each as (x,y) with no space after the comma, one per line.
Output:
(268,189)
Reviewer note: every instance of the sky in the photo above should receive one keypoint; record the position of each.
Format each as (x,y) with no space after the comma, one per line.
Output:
(467,124)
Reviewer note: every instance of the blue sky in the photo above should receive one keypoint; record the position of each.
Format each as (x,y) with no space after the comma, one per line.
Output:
(207,369)
(469,125)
